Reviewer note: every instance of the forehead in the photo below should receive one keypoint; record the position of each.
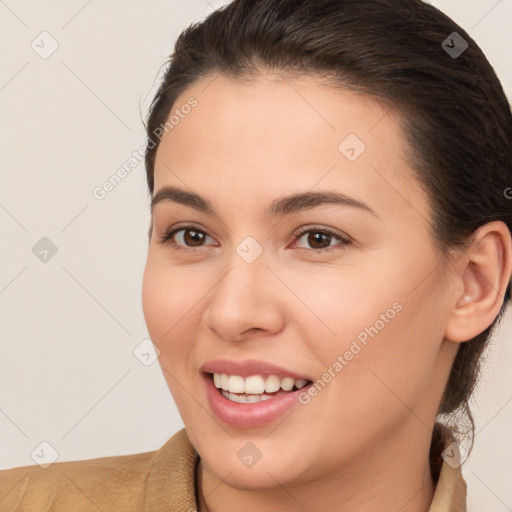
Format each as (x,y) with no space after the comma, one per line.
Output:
(274,109)
(268,135)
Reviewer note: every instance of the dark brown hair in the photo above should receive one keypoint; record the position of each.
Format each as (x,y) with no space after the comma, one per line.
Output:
(456,118)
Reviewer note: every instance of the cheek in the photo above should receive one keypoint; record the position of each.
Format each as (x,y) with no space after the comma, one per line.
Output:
(168,302)
(375,336)
(341,309)
(389,366)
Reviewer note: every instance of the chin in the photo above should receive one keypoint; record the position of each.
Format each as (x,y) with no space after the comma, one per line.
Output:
(261,477)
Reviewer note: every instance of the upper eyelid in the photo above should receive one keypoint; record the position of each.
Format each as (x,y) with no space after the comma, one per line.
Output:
(302,230)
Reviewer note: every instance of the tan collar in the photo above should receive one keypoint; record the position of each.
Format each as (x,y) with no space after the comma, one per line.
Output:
(451,489)
(171,482)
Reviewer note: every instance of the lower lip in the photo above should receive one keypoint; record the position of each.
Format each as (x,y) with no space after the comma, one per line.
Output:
(249,415)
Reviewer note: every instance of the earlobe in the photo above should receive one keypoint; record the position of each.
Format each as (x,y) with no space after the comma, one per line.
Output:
(484,273)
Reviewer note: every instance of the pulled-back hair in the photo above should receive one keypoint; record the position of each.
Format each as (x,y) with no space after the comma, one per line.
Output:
(456,119)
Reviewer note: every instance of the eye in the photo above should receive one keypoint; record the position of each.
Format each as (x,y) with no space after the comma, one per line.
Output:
(187,237)
(320,238)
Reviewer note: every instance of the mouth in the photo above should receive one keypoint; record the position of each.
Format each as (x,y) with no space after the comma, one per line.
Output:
(254,399)
(255,388)
(251,393)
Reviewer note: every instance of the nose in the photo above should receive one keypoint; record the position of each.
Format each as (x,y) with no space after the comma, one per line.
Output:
(246,301)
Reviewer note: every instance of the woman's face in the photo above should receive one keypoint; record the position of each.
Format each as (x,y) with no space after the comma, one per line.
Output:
(345,292)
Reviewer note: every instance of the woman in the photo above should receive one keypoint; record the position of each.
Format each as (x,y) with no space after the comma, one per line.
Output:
(329,251)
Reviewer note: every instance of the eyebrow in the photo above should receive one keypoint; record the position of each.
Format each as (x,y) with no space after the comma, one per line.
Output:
(279,207)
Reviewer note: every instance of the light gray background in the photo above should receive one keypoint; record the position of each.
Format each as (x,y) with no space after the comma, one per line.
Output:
(68,374)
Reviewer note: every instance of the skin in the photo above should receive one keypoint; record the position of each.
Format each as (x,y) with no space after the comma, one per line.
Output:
(362,443)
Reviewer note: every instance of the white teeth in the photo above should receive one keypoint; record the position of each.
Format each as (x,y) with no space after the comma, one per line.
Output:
(254,386)
(272,384)
(245,399)
(236,384)
(300,383)
(241,399)
(287,383)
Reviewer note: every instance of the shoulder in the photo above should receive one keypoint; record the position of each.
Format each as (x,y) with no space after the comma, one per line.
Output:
(164,478)
(105,483)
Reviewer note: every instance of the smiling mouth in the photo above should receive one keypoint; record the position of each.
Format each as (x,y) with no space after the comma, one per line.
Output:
(255,388)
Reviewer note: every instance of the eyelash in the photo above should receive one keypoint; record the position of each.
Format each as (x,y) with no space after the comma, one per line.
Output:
(166,238)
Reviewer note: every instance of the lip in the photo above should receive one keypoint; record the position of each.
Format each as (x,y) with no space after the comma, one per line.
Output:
(249,367)
(250,415)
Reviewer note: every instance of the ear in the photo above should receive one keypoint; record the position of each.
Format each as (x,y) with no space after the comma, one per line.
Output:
(484,273)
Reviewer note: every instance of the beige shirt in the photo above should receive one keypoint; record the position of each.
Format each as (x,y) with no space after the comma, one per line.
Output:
(158,481)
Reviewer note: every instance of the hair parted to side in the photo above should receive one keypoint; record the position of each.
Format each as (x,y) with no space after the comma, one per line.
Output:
(456,119)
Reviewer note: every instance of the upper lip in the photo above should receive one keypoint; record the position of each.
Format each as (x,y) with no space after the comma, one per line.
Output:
(249,367)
